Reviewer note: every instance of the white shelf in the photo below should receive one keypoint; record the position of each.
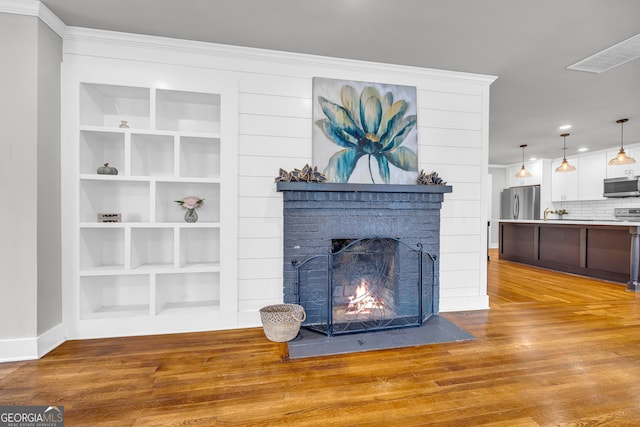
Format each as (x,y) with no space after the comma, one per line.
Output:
(187,111)
(180,292)
(114,296)
(129,198)
(152,248)
(98,148)
(152,272)
(199,157)
(108,105)
(102,249)
(152,155)
(199,247)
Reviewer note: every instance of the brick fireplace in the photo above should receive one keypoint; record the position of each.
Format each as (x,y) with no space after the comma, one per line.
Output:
(393,231)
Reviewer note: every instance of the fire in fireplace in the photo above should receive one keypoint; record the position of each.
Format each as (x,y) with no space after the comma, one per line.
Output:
(365,301)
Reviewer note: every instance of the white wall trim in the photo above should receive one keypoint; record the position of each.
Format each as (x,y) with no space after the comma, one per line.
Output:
(51,339)
(451,304)
(18,349)
(21,349)
(76,39)
(34,8)
(49,18)
(20,7)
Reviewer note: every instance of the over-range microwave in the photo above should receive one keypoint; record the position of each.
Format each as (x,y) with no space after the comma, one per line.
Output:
(628,186)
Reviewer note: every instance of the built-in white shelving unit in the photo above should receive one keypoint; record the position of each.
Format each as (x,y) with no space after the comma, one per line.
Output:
(152,272)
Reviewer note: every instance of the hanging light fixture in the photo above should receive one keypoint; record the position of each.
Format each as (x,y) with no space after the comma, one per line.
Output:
(565,166)
(621,158)
(522,173)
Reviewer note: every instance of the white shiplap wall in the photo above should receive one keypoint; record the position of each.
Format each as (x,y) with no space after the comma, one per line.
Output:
(274,131)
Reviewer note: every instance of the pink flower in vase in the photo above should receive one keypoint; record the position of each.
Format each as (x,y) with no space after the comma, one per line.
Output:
(190,202)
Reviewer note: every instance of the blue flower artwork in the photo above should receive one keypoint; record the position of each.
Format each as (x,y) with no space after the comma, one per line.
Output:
(365,132)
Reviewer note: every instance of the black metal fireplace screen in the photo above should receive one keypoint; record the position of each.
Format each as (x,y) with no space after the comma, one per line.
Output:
(366,285)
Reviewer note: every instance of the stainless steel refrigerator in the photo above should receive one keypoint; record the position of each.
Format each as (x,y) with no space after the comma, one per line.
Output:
(520,202)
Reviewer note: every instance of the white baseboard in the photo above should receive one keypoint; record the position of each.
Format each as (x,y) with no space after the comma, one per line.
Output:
(249,319)
(480,302)
(18,349)
(21,349)
(51,339)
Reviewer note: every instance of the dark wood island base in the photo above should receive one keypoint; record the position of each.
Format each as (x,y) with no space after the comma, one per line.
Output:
(594,249)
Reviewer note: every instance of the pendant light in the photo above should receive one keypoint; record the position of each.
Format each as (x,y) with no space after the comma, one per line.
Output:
(621,158)
(523,173)
(565,166)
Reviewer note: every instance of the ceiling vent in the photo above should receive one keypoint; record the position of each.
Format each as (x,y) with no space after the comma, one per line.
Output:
(611,57)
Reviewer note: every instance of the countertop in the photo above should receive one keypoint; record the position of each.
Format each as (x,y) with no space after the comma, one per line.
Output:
(574,222)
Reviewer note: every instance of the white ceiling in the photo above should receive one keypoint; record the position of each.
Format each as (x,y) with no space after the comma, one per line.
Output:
(528,44)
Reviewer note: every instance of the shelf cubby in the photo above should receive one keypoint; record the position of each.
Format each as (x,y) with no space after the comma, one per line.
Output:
(102,249)
(152,155)
(152,248)
(199,247)
(128,198)
(187,111)
(167,210)
(108,105)
(98,148)
(114,296)
(199,157)
(177,292)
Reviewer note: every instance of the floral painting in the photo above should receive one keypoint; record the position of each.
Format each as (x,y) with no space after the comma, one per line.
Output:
(365,132)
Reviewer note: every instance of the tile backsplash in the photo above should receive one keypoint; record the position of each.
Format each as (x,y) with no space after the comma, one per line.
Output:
(596,209)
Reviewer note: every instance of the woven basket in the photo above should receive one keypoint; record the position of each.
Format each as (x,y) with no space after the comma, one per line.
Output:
(281,322)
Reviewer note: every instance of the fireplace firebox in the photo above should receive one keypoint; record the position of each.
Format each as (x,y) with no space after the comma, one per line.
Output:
(361,257)
(366,285)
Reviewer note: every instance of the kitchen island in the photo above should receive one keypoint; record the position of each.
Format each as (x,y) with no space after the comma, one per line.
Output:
(606,250)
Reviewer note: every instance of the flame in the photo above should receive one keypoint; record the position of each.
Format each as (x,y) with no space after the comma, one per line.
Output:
(363,301)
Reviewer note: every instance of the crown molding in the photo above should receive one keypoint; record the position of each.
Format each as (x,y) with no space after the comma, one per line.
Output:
(83,41)
(34,8)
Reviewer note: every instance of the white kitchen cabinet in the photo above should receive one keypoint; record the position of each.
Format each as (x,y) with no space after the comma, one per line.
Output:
(169,138)
(592,169)
(533,167)
(564,185)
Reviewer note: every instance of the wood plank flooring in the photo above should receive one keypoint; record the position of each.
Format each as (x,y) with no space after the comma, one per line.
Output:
(554,350)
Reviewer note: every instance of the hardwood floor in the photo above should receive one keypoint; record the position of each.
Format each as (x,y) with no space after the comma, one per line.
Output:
(554,350)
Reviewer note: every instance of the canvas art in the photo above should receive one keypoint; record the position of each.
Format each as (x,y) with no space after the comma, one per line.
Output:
(365,132)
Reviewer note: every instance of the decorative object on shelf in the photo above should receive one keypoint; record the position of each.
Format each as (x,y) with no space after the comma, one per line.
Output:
(190,204)
(306,174)
(429,179)
(365,121)
(281,322)
(523,173)
(621,158)
(123,123)
(565,166)
(107,170)
(109,217)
